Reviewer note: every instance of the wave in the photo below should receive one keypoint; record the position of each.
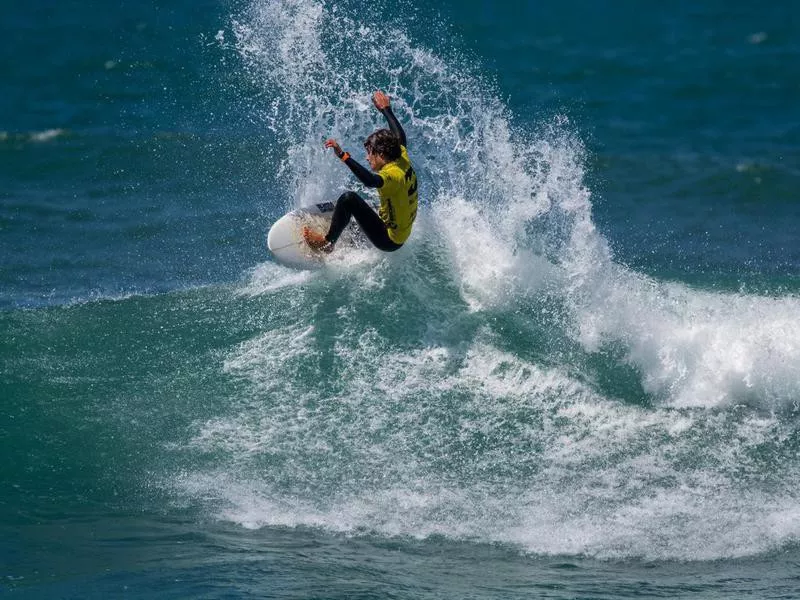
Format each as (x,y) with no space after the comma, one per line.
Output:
(502,378)
(508,206)
(39,137)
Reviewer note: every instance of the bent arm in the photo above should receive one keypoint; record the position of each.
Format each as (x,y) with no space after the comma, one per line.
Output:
(365,176)
(368,178)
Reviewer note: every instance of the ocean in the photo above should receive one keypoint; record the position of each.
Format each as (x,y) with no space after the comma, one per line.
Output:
(580,378)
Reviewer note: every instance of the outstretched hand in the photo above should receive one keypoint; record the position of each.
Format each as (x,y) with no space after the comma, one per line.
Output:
(332,143)
(380,100)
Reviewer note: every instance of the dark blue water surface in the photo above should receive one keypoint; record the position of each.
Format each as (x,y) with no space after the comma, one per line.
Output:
(579,379)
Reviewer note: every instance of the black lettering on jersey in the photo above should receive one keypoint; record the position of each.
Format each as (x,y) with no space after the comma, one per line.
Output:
(412,177)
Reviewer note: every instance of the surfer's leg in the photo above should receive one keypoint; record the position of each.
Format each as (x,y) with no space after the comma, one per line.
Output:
(352,205)
(342,213)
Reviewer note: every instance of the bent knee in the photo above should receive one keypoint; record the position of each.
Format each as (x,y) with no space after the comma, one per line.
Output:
(349,198)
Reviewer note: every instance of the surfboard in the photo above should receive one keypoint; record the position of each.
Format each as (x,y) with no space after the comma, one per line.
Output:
(285,238)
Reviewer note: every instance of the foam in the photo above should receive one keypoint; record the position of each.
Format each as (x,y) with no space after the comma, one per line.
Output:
(36,137)
(268,278)
(47,135)
(477,444)
(695,348)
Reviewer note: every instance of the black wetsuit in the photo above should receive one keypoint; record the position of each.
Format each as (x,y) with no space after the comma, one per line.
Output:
(351,205)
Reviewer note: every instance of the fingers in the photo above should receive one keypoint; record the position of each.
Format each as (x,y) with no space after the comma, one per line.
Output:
(331,143)
(380,100)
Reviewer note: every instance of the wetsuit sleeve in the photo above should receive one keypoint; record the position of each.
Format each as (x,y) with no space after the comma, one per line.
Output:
(368,178)
(394,125)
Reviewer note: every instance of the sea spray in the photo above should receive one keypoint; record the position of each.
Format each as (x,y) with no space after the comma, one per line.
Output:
(460,387)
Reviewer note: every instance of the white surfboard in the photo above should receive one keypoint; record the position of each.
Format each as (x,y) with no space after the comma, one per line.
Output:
(285,237)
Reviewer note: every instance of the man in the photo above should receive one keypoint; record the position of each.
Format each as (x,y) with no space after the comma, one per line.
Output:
(394,179)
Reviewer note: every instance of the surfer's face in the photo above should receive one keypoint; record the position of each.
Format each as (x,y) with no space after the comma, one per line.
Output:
(376,161)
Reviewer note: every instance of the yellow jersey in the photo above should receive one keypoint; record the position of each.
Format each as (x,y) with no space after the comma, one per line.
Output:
(398,196)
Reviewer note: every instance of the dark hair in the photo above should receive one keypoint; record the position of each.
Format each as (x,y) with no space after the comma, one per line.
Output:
(383,143)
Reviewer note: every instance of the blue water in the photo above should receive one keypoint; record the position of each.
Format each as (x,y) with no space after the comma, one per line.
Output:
(579,379)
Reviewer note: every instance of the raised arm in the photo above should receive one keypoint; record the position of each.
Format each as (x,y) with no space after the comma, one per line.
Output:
(381,102)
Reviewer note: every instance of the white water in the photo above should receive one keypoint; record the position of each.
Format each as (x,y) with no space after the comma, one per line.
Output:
(449,388)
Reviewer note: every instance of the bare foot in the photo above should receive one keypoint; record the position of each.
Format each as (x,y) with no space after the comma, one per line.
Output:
(316,240)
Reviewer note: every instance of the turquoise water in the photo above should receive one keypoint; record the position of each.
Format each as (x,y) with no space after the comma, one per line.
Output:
(579,379)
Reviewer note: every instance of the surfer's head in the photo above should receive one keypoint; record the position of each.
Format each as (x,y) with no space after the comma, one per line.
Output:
(382,147)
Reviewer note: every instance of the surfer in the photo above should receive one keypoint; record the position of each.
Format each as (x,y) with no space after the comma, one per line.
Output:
(394,179)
